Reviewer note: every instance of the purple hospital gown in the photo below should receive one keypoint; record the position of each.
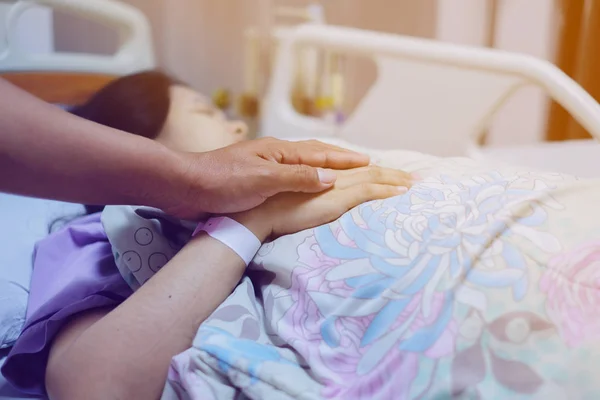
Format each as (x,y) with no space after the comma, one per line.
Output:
(74,271)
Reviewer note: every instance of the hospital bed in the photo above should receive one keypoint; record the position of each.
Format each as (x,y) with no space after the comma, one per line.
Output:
(427,95)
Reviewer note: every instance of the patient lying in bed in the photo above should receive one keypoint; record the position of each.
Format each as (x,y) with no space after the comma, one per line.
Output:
(480,282)
(81,297)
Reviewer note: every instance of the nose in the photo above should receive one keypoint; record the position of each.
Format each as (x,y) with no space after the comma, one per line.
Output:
(240,129)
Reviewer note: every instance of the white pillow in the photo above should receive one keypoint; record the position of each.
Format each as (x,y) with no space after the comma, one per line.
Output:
(25,221)
(13,307)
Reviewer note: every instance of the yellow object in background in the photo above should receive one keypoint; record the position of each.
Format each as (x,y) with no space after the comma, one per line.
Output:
(248,106)
(304,105)
(324,103)
(337,91)
(222,99)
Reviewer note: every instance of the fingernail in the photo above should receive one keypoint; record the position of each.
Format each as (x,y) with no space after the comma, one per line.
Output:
(416,175)
(326,176)
(402,189)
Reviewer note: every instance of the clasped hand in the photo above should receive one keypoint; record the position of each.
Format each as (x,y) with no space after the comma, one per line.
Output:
(278,187)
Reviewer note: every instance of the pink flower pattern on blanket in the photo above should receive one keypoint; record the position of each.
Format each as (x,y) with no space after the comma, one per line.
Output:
(572,284)
(460,289)
(339,368)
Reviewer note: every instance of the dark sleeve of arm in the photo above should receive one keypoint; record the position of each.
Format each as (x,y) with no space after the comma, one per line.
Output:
(47,152)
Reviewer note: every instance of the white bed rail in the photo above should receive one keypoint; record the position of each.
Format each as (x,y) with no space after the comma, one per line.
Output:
(135,51)
(428,96)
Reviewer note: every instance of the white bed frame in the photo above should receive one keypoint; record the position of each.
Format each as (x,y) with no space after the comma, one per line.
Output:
(433,97)
(135,52)
(71,78)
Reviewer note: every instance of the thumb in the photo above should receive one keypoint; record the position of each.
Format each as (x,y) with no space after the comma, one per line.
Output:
(302,178)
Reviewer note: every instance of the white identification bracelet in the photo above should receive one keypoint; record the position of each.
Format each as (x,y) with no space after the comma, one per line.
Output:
(233,235)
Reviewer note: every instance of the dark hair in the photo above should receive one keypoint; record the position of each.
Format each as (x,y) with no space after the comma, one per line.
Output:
(138,104)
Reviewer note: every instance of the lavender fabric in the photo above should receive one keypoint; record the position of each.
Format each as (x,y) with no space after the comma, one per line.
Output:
(74,271)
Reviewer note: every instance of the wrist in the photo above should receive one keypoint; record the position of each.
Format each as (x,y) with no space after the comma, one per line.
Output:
(255,222)
(170,183)
(235,235)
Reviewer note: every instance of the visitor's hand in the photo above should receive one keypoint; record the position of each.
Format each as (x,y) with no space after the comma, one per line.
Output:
(288,213)
(242,176)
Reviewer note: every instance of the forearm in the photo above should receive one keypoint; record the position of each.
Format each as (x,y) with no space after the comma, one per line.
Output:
(129,350)
(46,152)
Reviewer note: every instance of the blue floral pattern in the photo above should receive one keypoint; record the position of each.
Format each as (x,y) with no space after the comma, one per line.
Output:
(439,293)
(427,242)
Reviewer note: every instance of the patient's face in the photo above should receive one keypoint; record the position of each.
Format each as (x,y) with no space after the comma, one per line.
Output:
(195,125)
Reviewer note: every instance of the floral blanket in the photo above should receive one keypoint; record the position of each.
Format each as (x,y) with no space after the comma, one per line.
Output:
(481,282)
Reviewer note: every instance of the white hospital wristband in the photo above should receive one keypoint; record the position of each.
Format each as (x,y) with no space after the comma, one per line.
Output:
(233,235)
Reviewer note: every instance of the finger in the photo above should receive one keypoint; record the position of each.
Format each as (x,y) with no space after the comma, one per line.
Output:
(315,154)
(373,174)
(321,145)
(328,156)
(298,178)
(363,193)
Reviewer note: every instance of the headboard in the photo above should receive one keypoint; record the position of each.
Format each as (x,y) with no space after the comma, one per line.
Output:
(429,96)
(67,78)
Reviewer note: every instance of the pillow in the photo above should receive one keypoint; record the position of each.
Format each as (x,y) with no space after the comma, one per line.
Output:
(13,305)
(24,221)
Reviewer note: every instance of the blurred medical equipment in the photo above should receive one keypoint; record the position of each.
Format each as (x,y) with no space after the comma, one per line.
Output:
(318,81)
(260,46)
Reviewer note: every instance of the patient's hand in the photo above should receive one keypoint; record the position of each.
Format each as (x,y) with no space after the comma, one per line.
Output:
(288,213)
